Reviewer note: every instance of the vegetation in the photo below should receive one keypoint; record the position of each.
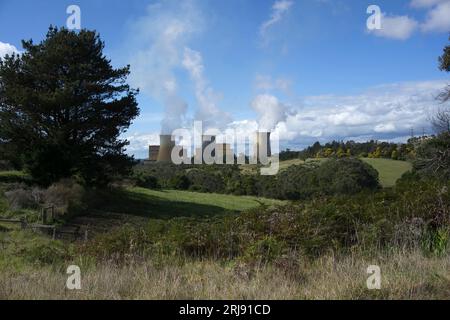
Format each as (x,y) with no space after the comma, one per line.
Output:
(342,176)
(283,251)
(405,276)
(370,149)
(167,231)
(63,107)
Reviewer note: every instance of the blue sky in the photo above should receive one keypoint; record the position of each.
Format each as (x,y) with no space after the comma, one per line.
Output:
(308,70)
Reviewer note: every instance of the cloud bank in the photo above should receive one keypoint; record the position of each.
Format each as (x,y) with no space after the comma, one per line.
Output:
(385,112)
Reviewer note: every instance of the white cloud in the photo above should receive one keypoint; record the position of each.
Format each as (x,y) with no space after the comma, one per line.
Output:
(139,144)
(385,127)
(382,112)
(402,27)
(385,112)
(6,48)
(438,18)
(279,10)
(426,3)
(396,27)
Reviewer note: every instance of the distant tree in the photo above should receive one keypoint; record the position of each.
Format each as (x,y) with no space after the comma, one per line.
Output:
(348,153)
(444,65)
(394,155)
(63,107)
(441,120)
(377,153)
(340,153)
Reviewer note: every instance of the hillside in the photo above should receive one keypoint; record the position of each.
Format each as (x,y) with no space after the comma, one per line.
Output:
(389,170)
(172,203)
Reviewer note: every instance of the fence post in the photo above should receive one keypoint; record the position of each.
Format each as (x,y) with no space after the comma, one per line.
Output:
(54,233)
(52,213)
(44,215)
(23,223)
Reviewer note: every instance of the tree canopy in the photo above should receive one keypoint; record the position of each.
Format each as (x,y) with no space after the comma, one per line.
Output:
(63,108)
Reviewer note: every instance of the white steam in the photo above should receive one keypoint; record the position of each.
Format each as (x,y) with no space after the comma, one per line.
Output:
(207,110)
(160,37)
(270,111)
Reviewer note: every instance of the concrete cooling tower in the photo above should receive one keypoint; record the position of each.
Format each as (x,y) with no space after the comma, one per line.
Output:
(262,145)
(165,148)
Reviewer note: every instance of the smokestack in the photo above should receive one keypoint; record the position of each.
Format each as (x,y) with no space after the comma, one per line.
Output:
(165,148)
(153,152)
(207,140)
(262,145)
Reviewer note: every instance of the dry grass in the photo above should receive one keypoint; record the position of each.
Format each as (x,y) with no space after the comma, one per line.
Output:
(404,276)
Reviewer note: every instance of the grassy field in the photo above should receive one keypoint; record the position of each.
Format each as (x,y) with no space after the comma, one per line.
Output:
(173,203)
(389,170)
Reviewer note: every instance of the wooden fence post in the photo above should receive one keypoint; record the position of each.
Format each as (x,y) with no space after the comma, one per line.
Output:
(23,223)
(44,215)
(52,210)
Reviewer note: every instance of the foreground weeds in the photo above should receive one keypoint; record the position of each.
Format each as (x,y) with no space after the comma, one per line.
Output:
(404,276)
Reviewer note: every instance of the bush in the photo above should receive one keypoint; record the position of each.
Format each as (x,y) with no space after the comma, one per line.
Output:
(146,181)
(21,199)
(266,250)
(433,157)
(180,182)
(66,196)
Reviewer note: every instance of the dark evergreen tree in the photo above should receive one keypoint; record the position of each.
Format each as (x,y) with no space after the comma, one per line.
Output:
(63,107)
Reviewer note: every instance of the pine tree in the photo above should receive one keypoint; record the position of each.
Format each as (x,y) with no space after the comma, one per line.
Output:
(63,107)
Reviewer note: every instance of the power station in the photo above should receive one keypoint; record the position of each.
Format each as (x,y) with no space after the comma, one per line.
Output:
(163,152)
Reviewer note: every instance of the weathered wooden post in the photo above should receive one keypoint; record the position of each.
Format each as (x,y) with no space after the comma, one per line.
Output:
(52,210)
(44,215)
(23,223)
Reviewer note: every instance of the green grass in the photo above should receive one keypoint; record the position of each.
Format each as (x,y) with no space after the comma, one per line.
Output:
(13,176)
(163,204)
(287,163)
(389,170)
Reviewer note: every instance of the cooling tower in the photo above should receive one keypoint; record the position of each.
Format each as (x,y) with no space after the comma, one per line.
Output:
(153,152)
(207,140)
(262,145)
(165,148)
(208,144)
(224,150)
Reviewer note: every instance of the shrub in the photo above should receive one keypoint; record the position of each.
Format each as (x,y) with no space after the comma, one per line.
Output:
(180,182)
(147,181)
(21,199)
(433,157)
(66,196)
(265,250)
